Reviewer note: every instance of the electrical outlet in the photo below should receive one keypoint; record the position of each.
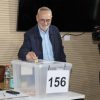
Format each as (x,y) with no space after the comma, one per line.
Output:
(67,38)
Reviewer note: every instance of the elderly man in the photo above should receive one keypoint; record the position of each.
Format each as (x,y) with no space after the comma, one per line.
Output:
(43,41)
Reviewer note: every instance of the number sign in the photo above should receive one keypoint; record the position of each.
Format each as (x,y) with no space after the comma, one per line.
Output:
(57,81)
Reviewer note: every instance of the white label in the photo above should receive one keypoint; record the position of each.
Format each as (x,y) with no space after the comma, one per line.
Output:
(57,81)
(26,69)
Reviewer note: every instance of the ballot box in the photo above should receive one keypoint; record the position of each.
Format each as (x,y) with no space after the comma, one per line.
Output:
(42,78)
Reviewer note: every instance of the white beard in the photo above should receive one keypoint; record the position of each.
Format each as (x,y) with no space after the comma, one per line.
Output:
(44,28)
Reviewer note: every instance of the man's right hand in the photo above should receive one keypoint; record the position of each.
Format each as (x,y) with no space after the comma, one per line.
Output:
(31,56)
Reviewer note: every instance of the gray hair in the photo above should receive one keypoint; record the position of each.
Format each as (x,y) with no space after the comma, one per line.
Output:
(44,9)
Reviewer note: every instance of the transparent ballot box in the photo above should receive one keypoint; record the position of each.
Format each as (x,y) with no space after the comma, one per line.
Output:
(42,78)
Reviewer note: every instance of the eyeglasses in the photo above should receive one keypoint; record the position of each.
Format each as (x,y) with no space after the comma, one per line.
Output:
(45,20)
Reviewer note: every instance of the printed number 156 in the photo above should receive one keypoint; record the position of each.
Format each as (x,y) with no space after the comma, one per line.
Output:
(57,81)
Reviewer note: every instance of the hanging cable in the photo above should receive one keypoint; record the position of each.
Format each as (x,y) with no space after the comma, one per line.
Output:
(72,34)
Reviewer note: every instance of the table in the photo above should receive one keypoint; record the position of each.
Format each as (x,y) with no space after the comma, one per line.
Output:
(68,96)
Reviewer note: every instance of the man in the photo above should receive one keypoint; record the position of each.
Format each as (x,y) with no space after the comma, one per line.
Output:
(42,41)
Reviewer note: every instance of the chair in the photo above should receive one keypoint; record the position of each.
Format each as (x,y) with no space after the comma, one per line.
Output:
(2,73)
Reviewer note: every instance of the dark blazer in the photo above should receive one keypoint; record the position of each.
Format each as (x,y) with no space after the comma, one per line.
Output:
(33,42)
